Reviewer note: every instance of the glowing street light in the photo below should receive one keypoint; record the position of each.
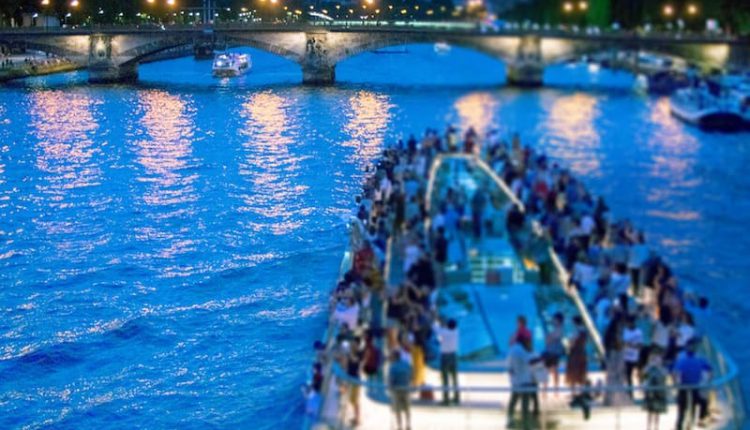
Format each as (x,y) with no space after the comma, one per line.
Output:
(583,5)
(45,2)
(75,3)
(668,10)
(692,9)
(171,2)
(568,7)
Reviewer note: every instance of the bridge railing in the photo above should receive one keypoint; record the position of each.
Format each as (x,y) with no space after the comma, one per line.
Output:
(390,25)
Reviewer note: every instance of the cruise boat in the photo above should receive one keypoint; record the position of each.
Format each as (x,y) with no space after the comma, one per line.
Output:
(484,283)
(711,110)
(442,48)
(230,65)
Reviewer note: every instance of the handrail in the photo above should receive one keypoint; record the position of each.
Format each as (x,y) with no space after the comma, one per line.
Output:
(562,272)
(330,338)
(712,384)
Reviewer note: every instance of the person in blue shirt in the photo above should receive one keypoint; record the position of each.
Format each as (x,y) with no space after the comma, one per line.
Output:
(690,370)
(399,380)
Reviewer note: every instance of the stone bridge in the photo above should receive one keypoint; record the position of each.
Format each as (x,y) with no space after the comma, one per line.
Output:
(113,55)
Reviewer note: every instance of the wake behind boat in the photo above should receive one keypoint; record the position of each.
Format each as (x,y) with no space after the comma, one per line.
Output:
(230,65)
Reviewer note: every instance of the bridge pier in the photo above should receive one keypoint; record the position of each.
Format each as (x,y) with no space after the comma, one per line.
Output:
(527,69)
(525,75)
(317,65)
(103,65)
(112,73)
(318,74)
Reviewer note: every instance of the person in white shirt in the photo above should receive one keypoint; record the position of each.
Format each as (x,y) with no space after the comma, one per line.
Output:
(685,331)
(632,337)
(521,378)
(619,282)
(448,337)
(347,312)
(587,225)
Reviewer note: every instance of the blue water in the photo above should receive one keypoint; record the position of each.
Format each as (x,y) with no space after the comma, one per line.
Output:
(166,248)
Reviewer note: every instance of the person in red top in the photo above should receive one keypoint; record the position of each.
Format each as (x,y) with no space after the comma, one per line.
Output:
(363,259)
(522,333)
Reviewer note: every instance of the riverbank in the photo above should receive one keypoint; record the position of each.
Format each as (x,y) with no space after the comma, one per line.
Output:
(20,68)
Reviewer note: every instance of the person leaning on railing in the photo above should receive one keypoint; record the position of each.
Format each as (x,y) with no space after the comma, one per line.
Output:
(690,371)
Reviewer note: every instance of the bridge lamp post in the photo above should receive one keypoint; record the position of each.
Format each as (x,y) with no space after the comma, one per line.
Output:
(74,4)
(45,6)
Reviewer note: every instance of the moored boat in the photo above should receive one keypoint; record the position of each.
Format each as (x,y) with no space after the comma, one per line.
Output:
(700,107)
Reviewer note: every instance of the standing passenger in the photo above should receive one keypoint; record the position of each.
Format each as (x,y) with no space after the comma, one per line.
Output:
(448,337)
(655,380)
(632,336)
(689,372)
(554,349)
(399,377)
(577,367)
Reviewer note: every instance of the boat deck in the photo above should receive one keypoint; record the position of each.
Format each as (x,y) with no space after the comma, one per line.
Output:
(486,315)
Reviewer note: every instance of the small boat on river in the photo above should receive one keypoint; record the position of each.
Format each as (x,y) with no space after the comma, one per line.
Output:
(231,65)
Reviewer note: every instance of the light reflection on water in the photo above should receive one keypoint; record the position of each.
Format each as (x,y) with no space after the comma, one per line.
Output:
(368,117)
(164,148)
(477,110)
(181,239)
(63,124)
(269,165)
(572,125)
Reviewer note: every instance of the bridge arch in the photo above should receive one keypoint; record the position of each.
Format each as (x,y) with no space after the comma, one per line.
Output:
(500,48)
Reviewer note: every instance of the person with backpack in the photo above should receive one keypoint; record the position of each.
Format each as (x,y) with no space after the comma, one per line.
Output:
(655,381)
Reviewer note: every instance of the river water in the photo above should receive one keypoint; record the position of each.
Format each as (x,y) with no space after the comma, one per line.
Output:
(166,248)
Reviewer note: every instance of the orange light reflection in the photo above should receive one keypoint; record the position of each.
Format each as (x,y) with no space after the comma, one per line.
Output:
(270,166)
(571,121)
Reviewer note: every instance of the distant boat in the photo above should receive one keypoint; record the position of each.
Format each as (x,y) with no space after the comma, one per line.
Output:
(442,48)
(231,65)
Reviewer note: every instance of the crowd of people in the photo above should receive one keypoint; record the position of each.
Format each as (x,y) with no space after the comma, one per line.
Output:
(384,308)
(647,321)
(10,61)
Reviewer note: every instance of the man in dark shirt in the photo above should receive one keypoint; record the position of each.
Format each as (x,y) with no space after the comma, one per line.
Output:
(441,253)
